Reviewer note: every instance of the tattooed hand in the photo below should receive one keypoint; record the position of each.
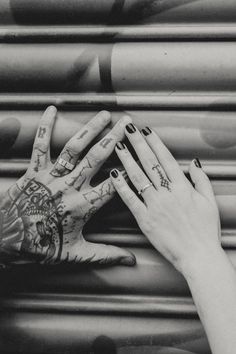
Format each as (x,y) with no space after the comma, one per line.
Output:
(42,216)
(180,220)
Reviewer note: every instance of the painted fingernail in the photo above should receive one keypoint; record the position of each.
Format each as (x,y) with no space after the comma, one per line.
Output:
(120,145)
(197,163)
(114,173)
(130,128)
(146,131)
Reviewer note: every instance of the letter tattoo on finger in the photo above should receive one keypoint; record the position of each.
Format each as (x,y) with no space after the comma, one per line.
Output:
(41,133)
(105,142)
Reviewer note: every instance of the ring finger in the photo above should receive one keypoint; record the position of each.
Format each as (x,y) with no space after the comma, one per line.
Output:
(75,146)
(136,175)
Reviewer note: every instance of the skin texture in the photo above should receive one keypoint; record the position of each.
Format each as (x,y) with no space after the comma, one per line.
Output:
(181,220)
(42,216)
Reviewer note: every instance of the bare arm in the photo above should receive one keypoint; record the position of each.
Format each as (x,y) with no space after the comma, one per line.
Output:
(182,222)
(213,286)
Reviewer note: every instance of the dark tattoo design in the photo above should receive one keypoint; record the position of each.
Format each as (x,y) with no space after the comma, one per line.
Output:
(59,170)
(32,223)
(165,183)
(82,135)
(104,191)
(42,132)
(105,142)
(79,180)
(39,153)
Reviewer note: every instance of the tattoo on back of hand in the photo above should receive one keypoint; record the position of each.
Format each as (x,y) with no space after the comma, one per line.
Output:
(32,223)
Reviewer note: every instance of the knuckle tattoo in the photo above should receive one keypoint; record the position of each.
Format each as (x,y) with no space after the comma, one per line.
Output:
(105,142)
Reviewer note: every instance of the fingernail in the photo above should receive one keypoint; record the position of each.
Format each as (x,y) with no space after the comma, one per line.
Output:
(120,145)
(114,173)
(129,261)
(130,128)
(146,131)
(197,163)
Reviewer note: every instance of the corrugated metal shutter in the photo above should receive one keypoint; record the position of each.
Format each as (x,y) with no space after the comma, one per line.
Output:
(169,64)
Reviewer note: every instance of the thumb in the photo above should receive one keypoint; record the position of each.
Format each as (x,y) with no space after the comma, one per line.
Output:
(201,181)
(105,254)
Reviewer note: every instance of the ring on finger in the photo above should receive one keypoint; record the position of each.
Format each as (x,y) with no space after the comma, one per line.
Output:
(66,164)
(142,190)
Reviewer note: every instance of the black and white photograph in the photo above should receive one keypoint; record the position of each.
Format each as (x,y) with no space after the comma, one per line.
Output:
(117,176)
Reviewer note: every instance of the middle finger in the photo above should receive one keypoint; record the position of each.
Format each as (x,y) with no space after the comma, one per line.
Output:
(148,159)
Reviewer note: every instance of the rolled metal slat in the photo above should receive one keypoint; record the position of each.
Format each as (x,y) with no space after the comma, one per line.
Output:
(82,333)
(152,276)
(166,67)
(100,304)
(183,100)
(123,11)
(37,34)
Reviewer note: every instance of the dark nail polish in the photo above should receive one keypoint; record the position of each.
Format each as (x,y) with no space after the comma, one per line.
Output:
(146,131)
(114,173)
(120,145)
(130,128)
(197,163)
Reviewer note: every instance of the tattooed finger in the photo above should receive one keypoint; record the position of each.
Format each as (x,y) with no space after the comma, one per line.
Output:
(98,196)
(72,150)
(41,149)
(101,254)
(97,155)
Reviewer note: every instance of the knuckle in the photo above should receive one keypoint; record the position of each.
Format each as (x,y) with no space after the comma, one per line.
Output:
(73,146)
(137,178)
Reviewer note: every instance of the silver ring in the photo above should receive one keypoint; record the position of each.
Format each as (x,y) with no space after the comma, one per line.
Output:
(145,187)
(66,164)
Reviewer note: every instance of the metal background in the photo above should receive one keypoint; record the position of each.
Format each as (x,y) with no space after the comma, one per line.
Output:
(170,64)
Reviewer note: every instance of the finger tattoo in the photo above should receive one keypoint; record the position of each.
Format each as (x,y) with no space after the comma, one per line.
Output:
(165,183)
(94,196)
(105,142)
(42,131)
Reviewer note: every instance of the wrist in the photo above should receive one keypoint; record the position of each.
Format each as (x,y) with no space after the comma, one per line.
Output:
(205,263)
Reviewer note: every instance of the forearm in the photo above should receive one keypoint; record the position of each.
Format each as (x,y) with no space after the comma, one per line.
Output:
(213,286)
